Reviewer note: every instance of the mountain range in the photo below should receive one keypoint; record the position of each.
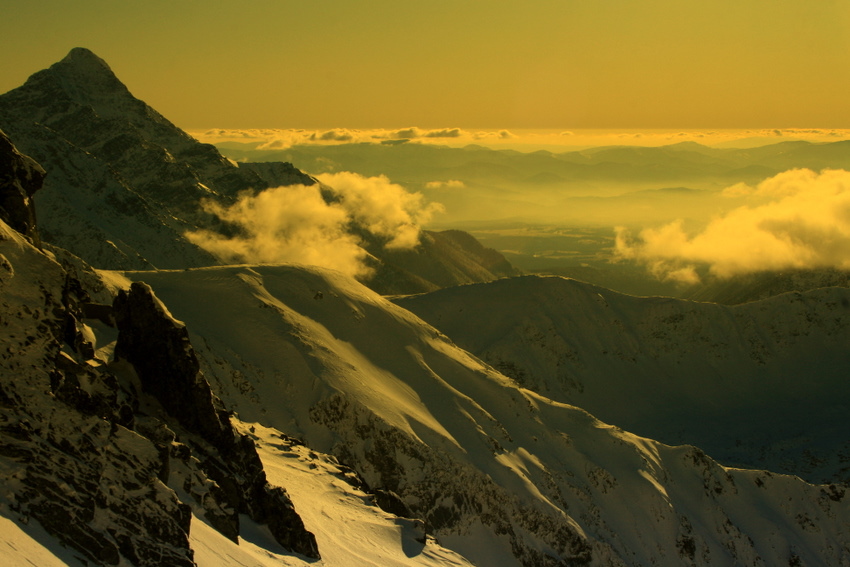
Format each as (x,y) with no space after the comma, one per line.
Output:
(285,414)
(604,186)
(125,184)
(615,166)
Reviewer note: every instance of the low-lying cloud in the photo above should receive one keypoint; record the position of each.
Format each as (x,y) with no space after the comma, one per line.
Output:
(296,224)
(274,139)
(385,209)
(449,184)
(798,219)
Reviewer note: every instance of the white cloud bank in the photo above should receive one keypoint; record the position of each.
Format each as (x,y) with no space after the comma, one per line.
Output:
(386,209)
(798,219)
(280,139)
(295,224)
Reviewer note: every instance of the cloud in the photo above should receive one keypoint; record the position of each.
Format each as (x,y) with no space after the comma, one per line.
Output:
(296,224)
(798,219)
(383,208)
(413,133)
(335,135)
(444,133)
(291,224)
(404,133)
(271,138)
(450,184)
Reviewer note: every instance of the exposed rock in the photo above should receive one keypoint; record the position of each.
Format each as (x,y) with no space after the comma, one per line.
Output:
(20,178)
(158,347)
(68,459)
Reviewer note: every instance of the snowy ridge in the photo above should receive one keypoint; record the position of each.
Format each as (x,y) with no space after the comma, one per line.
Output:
(487,465)
(768,376)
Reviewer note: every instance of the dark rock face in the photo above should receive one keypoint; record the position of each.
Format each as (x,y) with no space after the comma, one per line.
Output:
(20,178)
(159,349)
(69,458)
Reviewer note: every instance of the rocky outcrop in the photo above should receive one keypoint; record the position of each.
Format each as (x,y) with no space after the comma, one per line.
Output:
(69,458)
(110,473)
(158,347)
(20,178)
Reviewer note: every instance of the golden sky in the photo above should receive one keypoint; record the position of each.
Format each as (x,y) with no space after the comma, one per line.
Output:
(456,63)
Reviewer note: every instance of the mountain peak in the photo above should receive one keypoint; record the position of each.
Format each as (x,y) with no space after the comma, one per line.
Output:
(82,58)
(80,83)
(81,78)
(83,71)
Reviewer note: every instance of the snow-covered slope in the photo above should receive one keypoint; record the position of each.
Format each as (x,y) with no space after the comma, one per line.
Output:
(93,472)
(762,384)
(499,474)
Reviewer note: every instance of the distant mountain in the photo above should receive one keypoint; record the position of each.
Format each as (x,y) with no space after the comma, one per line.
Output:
(760,385)
(443,259)
(761,285)
(544,186)
(420,163)
(125,184)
